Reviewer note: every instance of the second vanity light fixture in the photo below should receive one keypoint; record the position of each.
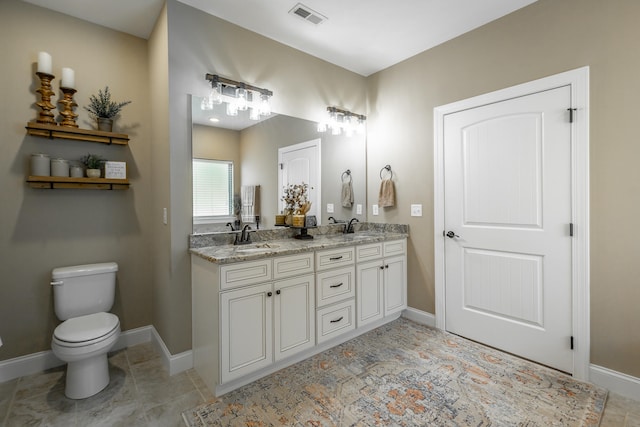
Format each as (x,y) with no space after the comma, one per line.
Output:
(340,120)
(239,96)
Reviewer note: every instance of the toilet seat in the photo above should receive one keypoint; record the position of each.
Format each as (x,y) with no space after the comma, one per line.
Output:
(85,330)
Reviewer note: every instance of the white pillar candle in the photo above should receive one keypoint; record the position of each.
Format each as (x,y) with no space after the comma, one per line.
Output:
(44,63)
(68,78)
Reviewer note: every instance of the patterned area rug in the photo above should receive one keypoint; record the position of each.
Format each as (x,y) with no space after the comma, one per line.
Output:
(406,374)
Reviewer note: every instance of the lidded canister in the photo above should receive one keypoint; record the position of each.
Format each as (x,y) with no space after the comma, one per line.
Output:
(40,164)
(59,167)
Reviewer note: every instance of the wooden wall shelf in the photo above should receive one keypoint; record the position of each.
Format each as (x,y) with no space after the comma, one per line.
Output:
(63,132)
(57,182)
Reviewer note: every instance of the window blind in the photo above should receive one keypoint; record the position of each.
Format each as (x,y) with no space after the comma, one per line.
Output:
(212,188)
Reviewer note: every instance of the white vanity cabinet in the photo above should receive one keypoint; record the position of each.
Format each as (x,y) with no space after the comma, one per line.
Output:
(251,318)
(247,315)
(381,280)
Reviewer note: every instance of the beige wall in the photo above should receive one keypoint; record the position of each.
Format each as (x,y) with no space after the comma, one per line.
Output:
(545,38)
(44,229)
(218,144)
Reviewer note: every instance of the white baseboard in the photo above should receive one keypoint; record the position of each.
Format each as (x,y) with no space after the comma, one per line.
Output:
(616,382)
(420,316)
(37,362)
(173,363)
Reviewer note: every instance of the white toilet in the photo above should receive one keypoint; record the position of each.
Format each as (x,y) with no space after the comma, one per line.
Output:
(83,295)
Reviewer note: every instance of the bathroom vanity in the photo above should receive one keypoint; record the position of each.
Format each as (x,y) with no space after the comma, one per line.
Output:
(258,308)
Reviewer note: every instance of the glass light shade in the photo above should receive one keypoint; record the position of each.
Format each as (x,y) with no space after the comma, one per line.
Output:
(206,104)
(232,109)
(241,99)
(254,113)
(265,105)
(322,127)
(215,96)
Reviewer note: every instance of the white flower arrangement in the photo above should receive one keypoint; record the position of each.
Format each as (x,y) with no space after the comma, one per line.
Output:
(295,198)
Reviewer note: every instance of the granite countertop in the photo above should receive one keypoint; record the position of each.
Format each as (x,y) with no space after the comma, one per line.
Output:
(223,254)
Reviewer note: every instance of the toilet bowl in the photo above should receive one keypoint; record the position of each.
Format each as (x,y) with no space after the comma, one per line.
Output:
(83,295)
(83,342)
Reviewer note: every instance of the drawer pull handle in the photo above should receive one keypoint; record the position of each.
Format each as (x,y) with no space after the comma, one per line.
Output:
(336,286)
(335,258)
(337,320)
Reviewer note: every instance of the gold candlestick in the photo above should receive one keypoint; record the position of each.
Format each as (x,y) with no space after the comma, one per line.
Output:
(69,119)
(45,116)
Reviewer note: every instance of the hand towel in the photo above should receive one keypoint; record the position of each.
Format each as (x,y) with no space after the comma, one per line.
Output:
(250,195)
(347,194)
(387,194)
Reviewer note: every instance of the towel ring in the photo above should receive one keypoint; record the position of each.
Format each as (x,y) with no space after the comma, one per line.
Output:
(388,169)
(348,173)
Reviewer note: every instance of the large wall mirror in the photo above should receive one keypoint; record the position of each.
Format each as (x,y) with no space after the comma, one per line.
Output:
(244,152)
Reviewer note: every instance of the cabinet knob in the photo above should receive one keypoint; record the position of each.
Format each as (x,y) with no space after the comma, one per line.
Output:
(382,267)
(278,292)
(269,294)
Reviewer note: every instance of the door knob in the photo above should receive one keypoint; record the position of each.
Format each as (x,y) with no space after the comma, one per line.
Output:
(451,235)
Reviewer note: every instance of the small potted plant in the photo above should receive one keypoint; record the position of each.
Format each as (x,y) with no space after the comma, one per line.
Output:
(93,163)
(103,109)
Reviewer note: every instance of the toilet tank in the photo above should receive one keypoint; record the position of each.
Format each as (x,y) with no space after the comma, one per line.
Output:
(83,289)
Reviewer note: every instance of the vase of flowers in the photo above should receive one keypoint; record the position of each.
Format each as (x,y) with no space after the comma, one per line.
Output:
(297,204)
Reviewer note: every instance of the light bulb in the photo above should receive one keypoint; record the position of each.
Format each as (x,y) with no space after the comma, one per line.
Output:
(206,104)
(322,127)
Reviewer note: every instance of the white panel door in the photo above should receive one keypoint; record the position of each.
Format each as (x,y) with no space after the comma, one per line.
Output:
(507,215)
(300,163)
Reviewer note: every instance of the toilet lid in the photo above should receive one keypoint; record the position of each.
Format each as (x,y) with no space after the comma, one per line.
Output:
(85,328)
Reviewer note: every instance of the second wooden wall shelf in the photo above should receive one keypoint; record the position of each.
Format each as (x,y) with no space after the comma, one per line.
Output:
(57,182)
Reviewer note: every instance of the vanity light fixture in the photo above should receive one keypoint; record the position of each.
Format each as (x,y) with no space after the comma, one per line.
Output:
(340,121)
(239,96)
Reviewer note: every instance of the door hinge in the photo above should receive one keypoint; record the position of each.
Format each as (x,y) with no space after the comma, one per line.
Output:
(571,229)
(572,342)
(571,113)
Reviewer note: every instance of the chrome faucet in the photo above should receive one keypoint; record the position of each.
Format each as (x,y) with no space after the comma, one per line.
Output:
(349,227)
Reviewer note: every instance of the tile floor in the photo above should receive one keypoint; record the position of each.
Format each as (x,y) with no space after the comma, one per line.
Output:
(141,393)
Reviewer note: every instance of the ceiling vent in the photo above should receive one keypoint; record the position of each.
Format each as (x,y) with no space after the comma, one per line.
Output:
(309,15)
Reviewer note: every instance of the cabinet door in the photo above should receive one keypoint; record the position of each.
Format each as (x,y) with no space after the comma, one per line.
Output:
(246,341)
(294,320)
(395,284)
(369,292)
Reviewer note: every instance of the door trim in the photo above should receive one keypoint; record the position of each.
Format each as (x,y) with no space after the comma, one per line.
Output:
(578,80)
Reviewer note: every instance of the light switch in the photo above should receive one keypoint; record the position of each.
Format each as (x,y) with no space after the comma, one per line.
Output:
(358,209)
(375,209)
(329,207)
(416,210)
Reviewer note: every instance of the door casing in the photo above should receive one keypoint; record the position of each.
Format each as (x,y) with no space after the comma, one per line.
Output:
(578,80)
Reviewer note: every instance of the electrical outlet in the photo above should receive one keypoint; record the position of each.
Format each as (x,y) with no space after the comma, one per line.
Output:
(164,216)
(329,207)
(375,209)
(416,210)
(358,209)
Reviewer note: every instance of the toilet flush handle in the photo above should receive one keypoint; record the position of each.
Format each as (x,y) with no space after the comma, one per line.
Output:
(57,282)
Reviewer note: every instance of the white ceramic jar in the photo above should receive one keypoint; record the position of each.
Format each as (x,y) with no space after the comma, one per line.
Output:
(59,167)
(76,171)
(40,165)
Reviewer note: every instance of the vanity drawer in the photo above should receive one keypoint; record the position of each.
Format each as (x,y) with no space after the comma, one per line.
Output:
(333,258)
(368,252)
(244,273)
(292,265)
(395,247)
(335,320)
(335,285)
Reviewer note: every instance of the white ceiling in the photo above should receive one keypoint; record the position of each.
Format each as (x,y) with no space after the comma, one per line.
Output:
(364,36)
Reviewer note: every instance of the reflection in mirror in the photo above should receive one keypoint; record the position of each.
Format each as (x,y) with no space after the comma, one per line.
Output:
(252,147)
